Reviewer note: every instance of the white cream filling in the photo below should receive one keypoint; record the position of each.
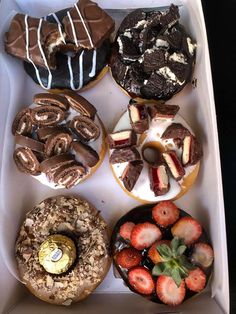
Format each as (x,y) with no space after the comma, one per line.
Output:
(96,145)
(178,57)
(142,188)
(191,46)
(162,43)
(169,75)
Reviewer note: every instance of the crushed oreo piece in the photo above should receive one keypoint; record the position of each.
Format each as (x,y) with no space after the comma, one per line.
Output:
(132,19)
(127,48)
(154,58)
(131,174)
(170,17)
(126,154)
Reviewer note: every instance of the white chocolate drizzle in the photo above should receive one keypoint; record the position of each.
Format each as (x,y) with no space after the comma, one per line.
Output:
(73,28)
(85,27)
(81,77)
(59,27)
(94,60)
(41,50)
(72,86)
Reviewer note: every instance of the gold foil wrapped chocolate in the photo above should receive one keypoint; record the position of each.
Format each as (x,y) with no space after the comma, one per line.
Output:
(57,254)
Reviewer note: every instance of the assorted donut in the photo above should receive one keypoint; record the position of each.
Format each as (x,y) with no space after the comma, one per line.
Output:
(60,139)
(63,249)
(162,253)
(154,154)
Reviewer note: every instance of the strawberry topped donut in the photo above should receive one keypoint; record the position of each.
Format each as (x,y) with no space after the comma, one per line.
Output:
(162,253)
(154,154)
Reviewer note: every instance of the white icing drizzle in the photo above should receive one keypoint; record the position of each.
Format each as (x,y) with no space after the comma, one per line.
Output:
(85,27)
(28,56)
(81,70)
(59,27)
(72,86)
(93,70)
(73,28)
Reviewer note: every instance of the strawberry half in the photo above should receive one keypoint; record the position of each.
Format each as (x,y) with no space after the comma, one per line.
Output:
(126,229)
(188,229)
(128,258)
(165,213)
(144,235)
(168,292)
(202,255)
(153,253)
(196,280)
(141,280)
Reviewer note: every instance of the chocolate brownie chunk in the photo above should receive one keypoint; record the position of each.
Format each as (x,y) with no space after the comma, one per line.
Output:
(126,154)
(131,174)
(177,132)
(162,111)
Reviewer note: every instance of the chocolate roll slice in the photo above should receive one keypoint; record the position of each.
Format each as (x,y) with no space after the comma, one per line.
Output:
(131,174)
(30,143)
(84,128)
(47,115)
(192,151)
(159,180)
(58,143)
(124,154)
(177,132)
(163,111)
(174,165)
(121,139)
(53,163)
(33,40)
(87,25)
(51,99)
(22,123)
(85,154)
(138,116)
(26,161)
(80,104)
(45,132)
(69,175)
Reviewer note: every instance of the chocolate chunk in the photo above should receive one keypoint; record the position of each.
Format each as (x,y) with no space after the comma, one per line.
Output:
(85,154)
(131,174)
(162,111)
(170,17)
(51,164)
(138,117)
(177,132)
(47,115)
(126,154)
(132,20)
(84,128)
(22,123)
(154,87)
(22,40)
(174,165)
(29,142)
(58,143)
(154,58)
(192,151)
(127,48)
(69,175)
(121,139)
(174,37)
(44,132)
(51,99)
(159,180)
(80,104)
(26,161)
(87,25)
(181,70)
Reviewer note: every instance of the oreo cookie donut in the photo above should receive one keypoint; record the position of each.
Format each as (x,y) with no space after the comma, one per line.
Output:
(60,139)
(153,56)
(154,154)
(162,253)
(68,49)
(62,250)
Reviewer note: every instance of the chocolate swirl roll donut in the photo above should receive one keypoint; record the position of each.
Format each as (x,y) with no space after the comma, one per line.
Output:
(69,175)
(22,123)
(84,128)
(26,161)
(47,115)
(58,143)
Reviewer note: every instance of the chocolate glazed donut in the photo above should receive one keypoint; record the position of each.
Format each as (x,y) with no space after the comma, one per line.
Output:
(72,72)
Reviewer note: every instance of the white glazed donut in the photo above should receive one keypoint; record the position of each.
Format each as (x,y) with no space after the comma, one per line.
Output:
(152,138)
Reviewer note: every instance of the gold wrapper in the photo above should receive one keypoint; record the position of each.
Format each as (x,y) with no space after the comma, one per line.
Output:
(57,254)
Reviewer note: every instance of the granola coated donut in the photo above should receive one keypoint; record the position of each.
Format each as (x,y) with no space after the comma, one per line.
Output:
(62,250)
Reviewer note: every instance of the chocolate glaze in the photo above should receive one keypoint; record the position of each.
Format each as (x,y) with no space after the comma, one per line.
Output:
(51,99)
(62,77)
(30,143)
(85,154)
(143,214)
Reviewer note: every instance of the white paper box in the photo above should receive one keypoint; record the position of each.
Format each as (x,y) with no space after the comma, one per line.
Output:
(19,193)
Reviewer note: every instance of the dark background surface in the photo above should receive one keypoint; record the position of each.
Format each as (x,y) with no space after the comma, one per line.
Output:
(220,18)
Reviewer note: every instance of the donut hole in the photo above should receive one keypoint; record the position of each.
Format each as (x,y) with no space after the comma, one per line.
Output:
(152,152)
